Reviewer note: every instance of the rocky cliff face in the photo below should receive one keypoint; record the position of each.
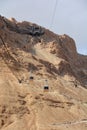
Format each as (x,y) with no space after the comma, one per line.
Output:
(26,50)
(71,63)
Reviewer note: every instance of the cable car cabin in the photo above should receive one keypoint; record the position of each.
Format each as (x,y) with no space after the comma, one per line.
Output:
(46,88)
(31,77)
(20,81)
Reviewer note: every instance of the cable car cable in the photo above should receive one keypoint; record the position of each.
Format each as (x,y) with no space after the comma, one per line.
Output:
(54,11)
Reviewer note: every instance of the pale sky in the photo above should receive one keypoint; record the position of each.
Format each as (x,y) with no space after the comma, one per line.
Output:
(70,16)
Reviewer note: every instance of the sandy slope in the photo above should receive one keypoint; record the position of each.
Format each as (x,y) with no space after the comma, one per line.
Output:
(26,106)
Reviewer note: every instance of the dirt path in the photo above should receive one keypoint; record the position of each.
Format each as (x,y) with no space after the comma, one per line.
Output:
(32,121)
(70,123)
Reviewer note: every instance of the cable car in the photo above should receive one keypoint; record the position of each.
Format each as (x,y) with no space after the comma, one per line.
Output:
(31,77)
(46,87)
